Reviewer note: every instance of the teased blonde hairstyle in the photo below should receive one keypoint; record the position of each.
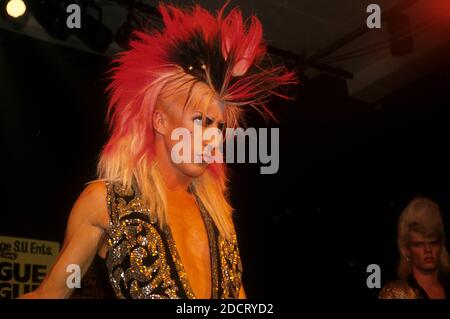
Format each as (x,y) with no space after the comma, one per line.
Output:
(424,216)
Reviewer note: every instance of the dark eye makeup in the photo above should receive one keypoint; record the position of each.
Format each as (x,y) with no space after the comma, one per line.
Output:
(208,121)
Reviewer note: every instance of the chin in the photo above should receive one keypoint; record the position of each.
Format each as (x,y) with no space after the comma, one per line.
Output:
(428,267)
(194,170)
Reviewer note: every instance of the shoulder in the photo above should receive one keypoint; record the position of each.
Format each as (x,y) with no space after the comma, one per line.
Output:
(398,289)
(445,280)
(94,194)
(91,204)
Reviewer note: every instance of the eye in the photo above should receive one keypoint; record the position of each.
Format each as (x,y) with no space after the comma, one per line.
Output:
(198,120)
(221,126)
(208,121)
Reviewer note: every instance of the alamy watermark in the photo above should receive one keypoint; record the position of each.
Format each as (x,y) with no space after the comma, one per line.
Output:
(235,146)
(373,21)
(74,279)
(374,279)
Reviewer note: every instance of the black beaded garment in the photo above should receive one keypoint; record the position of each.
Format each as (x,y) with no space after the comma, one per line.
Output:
(143,261)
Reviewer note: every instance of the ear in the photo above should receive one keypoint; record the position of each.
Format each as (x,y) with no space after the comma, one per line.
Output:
(405,252)
(160,123)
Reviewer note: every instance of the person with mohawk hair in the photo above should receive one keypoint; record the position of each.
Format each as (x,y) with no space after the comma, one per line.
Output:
(164,228)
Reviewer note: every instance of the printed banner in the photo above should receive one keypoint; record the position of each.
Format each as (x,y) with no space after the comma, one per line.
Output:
(23,264)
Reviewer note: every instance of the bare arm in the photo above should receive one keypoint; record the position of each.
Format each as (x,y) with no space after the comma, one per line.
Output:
(84,236)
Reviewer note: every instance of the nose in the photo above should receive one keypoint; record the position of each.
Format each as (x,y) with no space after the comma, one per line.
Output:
(427,247)
(213,138)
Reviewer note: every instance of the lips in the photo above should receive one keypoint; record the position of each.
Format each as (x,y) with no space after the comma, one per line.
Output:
(207,158)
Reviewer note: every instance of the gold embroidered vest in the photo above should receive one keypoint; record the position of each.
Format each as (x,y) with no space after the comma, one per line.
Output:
(143,261)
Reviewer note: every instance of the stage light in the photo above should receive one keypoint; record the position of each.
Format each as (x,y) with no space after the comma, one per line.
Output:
(15,13)
(16,8)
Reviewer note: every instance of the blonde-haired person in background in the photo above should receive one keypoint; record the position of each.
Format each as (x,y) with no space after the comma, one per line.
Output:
(424,267)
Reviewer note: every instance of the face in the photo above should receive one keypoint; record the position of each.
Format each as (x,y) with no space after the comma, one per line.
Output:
(424,251)
(204,111)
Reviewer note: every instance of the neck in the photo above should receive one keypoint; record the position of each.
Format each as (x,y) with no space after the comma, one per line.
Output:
(174,180)
(426,278)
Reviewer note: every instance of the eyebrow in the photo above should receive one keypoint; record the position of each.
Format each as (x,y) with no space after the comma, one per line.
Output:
(424,241)
(219,122)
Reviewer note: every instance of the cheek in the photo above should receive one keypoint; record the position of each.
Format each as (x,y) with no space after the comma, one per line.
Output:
(416,252)
(436,250)
(192,169)
(169,142)
(185,122)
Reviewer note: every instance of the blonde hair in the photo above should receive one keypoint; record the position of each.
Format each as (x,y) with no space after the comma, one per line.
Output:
(424,216)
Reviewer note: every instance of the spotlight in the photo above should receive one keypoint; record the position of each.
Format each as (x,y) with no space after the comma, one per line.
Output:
(15,13)
(16,8)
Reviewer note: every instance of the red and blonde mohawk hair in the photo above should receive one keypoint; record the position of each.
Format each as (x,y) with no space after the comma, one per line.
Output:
(220,50)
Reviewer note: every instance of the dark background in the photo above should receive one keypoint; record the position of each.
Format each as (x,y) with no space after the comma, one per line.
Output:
(347,168)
